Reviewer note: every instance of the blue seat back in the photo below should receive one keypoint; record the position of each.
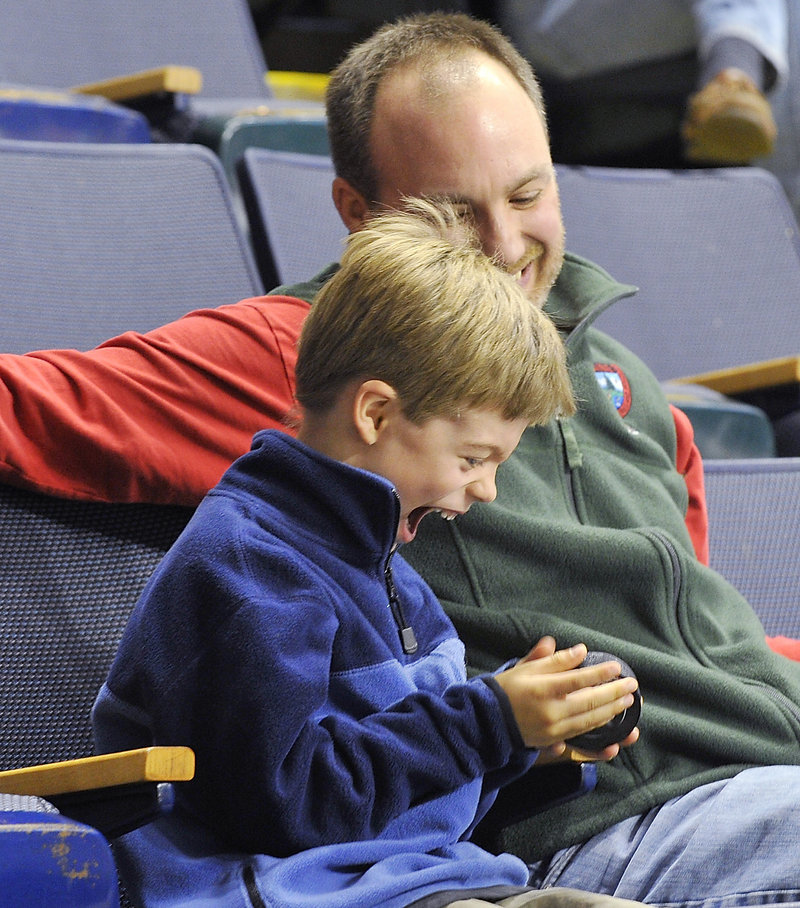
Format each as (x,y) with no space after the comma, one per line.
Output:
(294,224)
(100,239)
(73,42)
(715,254)
(70,574)
(754,527)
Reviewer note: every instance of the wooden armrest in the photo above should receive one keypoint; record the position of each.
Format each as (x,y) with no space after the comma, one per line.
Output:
(148,764)
(171,79)
(751,377)
(42,95)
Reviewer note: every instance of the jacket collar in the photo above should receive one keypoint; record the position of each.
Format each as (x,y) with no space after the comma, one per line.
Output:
(581,292)
(298,491)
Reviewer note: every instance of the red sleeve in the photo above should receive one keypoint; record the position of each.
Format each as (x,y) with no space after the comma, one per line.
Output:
(150,417)
(785,646)
(689,463)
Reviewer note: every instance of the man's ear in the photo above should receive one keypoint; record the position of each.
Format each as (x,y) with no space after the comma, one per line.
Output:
(351,205)
(374,404)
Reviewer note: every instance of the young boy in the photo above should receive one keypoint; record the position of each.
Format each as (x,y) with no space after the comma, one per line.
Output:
(342,755)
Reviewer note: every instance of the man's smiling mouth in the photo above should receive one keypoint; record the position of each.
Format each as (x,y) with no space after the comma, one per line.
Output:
(522,269)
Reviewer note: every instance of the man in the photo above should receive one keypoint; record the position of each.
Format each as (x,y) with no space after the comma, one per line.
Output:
(588,533)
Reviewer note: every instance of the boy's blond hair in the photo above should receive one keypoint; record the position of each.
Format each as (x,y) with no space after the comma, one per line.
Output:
(419,306)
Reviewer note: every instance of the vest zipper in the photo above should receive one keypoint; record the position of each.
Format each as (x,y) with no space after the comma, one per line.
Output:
(677,570)
(407,637)
(777,697)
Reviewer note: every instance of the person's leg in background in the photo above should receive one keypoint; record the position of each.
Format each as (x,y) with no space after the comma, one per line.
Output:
(742,54)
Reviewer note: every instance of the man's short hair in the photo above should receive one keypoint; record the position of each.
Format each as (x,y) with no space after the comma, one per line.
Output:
(419,306)
(427,38)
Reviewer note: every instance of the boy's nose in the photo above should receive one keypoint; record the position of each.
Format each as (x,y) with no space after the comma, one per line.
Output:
(484,489)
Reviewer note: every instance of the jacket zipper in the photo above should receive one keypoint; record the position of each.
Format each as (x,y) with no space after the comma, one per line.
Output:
(407,637)
(573,458)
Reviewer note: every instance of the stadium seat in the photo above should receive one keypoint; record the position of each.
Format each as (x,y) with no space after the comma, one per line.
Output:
(101,239)
(70,574)
(754,525)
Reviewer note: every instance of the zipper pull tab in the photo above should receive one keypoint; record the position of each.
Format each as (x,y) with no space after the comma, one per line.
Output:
(407,637)
(409,640)
(572,449)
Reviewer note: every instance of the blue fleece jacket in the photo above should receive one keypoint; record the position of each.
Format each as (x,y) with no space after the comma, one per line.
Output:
(334,766)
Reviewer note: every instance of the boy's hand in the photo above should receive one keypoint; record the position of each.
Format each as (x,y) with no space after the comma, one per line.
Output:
(552,699)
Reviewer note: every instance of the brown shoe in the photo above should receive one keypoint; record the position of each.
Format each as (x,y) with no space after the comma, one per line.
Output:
(729,121)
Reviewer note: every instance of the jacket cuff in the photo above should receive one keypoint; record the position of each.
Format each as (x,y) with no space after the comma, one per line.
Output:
(508,713)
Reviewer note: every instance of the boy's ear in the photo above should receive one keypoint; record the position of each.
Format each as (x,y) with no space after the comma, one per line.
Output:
(373,405)
(351,205)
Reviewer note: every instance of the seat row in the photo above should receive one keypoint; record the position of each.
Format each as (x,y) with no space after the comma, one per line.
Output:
(104,238)
(71,573)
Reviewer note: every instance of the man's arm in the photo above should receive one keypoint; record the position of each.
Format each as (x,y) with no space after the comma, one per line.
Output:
(152,417)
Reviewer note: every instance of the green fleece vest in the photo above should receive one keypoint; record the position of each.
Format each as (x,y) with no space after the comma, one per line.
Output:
(586,541)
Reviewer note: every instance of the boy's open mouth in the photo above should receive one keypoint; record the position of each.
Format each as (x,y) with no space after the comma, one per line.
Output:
(409,526)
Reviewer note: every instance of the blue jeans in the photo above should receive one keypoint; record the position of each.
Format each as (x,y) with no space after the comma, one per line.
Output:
(568,39)
(727,844)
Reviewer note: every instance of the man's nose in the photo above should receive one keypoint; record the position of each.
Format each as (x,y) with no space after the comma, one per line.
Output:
(502,238)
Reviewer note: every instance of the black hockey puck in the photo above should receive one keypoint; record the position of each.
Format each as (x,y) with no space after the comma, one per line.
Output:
(618,728)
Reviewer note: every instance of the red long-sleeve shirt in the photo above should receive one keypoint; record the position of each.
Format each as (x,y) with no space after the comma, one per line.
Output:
(159,417)
(152,417)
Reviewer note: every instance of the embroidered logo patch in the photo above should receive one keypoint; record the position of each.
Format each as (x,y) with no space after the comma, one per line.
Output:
(613,382)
